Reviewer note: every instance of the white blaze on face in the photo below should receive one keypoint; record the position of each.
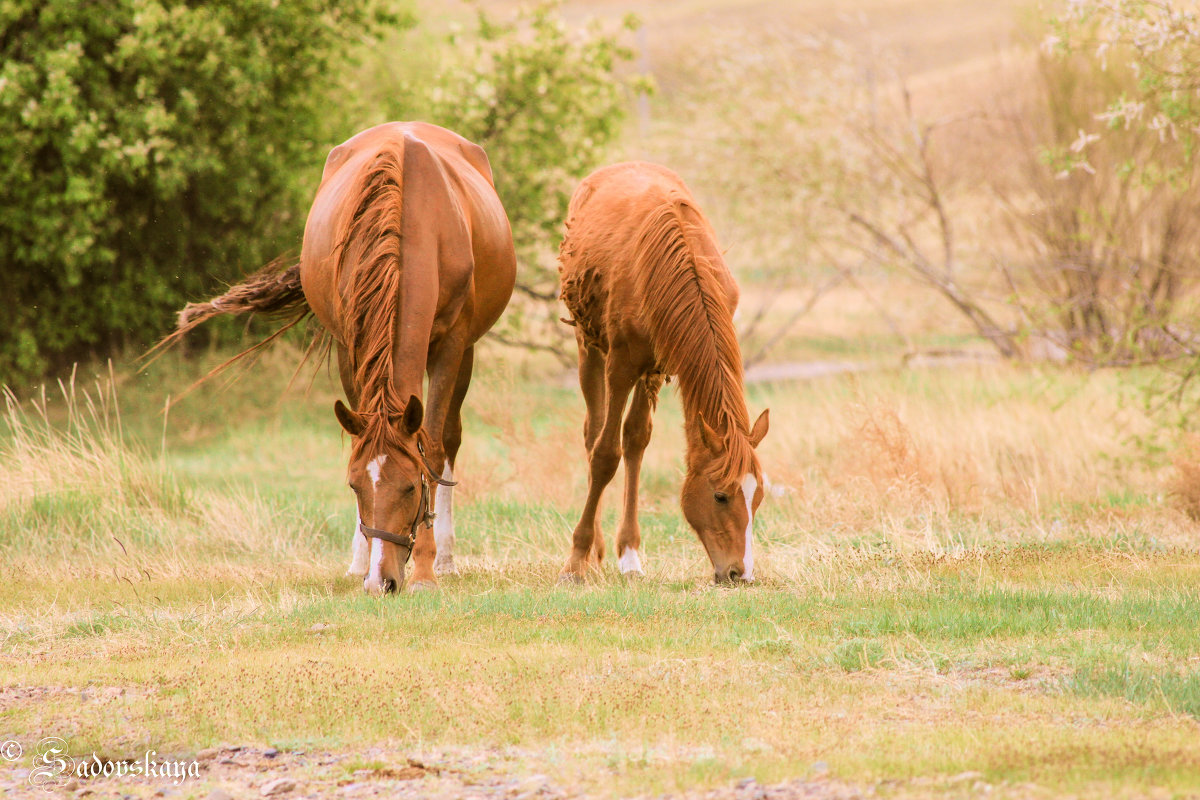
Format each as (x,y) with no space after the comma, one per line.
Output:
(374,468)
(749,488)
(443,524)
(373,583)
(374,579)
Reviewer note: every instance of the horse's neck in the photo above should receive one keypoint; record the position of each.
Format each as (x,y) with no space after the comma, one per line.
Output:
(713,413)
(717,403)
(696,451)
(410,337)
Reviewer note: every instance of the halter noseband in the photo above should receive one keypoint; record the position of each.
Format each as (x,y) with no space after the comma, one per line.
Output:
(408,542)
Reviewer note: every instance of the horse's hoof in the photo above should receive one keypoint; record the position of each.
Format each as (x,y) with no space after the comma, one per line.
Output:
(445,567)
(570,579)
(422,586)
(634,575)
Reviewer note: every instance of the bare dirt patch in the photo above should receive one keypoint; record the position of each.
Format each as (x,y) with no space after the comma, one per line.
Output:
(234,771)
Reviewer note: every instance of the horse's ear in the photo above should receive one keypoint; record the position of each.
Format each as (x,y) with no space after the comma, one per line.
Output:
(710,438)
(414,413)
(759,431)
(351,422)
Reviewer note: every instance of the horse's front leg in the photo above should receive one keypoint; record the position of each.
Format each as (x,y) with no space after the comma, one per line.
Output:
(635,435)
(604,448)
(445,361)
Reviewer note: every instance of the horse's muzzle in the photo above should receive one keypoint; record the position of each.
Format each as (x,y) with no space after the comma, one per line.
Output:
(732,574)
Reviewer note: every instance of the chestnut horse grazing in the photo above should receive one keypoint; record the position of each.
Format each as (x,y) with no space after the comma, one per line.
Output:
(651,297)
(407,261)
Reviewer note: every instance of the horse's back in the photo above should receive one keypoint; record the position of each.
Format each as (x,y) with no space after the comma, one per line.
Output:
(455,169)
(598,260)
(452,147)
(619,189)
(462,163)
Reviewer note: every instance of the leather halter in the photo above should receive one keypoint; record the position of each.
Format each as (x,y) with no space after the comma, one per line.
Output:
(408,542)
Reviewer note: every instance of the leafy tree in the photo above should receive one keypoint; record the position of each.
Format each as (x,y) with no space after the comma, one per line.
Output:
(146,147)
(545,100)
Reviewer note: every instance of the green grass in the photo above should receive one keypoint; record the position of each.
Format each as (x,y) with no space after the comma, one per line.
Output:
(897,634)
(906,671)
(970,571)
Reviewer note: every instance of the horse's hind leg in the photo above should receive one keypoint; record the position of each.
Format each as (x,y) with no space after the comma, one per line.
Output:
(360,549)
(606,382)
(443,526)
(634,437)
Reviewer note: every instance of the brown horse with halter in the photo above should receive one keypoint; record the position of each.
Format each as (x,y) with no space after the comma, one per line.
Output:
(651,297)
(407,261)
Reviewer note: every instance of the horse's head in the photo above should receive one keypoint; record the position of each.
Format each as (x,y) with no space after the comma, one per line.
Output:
(389,479)
(722,512)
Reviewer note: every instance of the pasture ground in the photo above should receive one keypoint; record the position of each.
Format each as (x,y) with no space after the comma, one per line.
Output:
(972,581)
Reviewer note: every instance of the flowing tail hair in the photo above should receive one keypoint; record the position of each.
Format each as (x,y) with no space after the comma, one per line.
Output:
(273,291)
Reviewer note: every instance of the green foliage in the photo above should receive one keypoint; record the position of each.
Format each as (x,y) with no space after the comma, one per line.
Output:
(1159,41)
(149,146)
(544,99)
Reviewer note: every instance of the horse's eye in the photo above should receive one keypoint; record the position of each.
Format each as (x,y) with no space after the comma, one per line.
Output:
(410,490)
(721,498)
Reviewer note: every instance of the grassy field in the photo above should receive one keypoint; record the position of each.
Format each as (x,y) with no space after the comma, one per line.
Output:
(971,572)
(972,580)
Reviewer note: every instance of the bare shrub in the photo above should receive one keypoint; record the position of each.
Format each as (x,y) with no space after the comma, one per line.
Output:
(905,470)
(1046,240)
(1108,227)
(890,454)
(834,147)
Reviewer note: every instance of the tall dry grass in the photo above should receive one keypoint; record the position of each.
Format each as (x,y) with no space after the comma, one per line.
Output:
(890,461)
(77,497)
(981,456)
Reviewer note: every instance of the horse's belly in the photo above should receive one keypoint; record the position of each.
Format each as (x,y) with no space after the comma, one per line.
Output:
(316,283)
(584,291)
(494,268)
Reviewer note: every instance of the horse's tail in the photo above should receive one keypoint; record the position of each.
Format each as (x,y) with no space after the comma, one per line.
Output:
(274,291)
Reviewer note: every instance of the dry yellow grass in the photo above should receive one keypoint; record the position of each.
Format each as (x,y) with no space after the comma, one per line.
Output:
(974,570)
(954,564)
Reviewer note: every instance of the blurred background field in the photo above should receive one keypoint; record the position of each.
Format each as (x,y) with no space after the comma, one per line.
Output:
(978,555)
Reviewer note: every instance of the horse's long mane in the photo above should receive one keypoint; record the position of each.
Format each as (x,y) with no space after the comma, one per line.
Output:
(692,331)
(372,247)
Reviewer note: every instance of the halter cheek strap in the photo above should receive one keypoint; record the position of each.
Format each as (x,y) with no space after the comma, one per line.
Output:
(407,541)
